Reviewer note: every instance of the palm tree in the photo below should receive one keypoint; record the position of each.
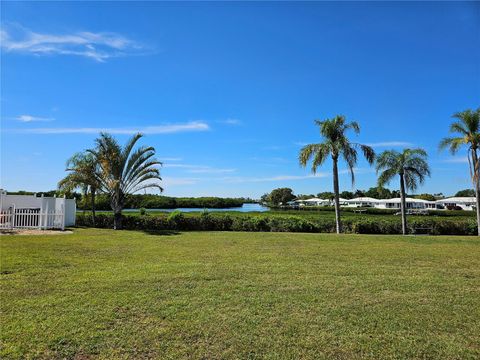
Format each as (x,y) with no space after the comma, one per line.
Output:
(335,144)
(124,170)
(83,174)
(412,168)
(467,128)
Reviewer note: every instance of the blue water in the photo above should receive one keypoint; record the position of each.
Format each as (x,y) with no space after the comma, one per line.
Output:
(244,208)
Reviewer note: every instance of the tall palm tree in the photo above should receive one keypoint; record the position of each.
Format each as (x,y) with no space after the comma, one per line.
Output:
(124,170)
(412,168)
(83,174)
(467,129)
(336,145)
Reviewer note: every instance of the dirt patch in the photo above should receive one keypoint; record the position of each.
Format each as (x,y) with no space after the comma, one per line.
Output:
(34,232)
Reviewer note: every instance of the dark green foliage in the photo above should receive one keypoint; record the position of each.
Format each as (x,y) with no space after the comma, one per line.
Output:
(466,193)
(278,222)
(280,196)
(152,201)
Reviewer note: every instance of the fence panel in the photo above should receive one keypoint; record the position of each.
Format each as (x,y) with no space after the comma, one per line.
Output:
(31,219)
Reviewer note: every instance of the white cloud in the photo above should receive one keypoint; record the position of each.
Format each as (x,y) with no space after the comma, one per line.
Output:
(294,177)
(456,160)
(160,129)
(31,118)
(231,122)
(171,159)
(199,169)
(391,144)
(173,181)
(98,46)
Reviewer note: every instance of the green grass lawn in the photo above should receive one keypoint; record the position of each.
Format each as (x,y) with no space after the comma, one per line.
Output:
(104,294)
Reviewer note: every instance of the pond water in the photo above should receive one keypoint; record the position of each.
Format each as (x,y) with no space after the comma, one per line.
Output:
(243,208)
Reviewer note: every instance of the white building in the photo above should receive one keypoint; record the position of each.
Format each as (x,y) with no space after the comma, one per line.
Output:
(362,202)
(36,212)
(411,203)
(466,203)
(316,202)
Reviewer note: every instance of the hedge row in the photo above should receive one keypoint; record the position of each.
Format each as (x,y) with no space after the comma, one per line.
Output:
(377,211)
(285,223)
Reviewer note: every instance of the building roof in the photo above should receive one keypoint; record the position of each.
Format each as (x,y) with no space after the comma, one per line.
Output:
(410,200)
(458,199)
(315,200)
(363,199)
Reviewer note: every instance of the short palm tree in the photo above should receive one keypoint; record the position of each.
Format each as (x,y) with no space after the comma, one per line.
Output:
(412,168)
(336,145)
(124,170)
(83,174)
(467,129)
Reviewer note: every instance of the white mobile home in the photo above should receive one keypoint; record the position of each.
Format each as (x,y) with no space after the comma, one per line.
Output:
(362,202)
(316,202)
(466,203)
(411,203)
(36,212)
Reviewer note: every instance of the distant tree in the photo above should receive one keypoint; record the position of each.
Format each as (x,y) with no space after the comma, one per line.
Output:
(466,193)
(123,170)
(378,193)
(264,198)
(326,195)
(412,168)
(335,144)
(83,174)
(281,196)
(359,193)
(427,197)
(467,129)
(304,196)
(347,195)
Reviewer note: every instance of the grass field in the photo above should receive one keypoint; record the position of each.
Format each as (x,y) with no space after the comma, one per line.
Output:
(113,295)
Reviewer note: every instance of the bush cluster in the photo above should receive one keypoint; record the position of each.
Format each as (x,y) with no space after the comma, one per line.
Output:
(284,223)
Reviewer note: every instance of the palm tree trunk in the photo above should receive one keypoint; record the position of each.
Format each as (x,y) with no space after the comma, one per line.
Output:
(336,195)
(93,206)
(117,202)
(476,180)
(117,219)
(403,205)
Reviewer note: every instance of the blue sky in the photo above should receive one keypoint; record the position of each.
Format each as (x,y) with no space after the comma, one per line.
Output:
(227,92)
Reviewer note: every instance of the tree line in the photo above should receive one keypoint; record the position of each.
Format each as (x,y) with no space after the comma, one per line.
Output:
(409,167)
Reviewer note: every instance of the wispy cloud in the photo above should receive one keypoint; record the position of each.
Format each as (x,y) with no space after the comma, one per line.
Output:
(234,122)
(200,169)
(160,129)
(293,177)
(390,144)
(171,159)
(301,143)
(31,118)
(98,46)
(174,181)
(456,160)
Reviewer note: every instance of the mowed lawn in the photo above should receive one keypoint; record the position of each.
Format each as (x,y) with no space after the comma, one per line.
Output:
(215,295)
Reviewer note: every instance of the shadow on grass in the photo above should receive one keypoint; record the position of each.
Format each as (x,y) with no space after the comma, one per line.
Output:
(161,232)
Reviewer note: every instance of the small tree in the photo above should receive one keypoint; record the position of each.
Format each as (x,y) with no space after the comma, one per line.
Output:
(412,168)
(281,196)
(124,170)
(466,193)
(337,145)
(83,174)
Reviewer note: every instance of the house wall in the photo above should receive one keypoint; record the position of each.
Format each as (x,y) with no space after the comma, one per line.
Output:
(70,212)
(45,204)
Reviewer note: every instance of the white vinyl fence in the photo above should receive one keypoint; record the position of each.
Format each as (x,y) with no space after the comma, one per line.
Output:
(32,219)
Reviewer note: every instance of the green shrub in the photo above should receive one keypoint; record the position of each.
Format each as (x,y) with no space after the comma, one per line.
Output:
(282,223)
